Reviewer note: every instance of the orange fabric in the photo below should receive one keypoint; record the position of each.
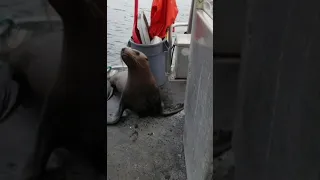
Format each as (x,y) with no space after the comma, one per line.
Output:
(163,15)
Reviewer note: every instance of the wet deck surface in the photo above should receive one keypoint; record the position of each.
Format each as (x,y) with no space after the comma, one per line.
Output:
(138,148)
(148,148)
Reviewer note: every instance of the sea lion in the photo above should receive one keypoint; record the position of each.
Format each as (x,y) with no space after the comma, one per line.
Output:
(141,93)
(73,115)
(119,80)
(109,90)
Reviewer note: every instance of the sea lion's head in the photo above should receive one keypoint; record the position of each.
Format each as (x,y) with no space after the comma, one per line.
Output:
(134,58)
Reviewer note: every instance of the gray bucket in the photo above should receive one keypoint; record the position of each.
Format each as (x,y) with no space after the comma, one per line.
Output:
(157,55)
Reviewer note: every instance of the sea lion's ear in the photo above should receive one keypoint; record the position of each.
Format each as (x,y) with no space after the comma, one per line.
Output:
(147,59)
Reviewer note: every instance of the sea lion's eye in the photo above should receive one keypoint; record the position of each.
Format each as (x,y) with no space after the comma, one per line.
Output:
(137,53)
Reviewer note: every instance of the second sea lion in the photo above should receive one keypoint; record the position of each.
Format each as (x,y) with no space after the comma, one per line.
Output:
(119,80)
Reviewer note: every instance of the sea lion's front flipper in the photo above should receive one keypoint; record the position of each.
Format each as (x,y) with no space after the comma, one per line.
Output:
(179,107)
(116,118)
(109,90)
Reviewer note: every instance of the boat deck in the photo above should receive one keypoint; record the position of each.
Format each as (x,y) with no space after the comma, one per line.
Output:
(148,148)
(138,148)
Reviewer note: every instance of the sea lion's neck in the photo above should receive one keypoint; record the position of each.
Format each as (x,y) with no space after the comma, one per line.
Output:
(140,74)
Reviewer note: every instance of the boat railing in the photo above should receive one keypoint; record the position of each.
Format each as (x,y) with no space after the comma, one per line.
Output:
(178,24)
(170,41)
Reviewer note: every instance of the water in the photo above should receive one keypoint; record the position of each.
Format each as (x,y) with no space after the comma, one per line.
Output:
(120,19)
(120,22)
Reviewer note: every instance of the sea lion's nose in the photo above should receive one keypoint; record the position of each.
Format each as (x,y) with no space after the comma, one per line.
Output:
(122,50)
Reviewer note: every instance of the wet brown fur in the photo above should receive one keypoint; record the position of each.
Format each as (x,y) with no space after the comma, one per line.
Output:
(141,93)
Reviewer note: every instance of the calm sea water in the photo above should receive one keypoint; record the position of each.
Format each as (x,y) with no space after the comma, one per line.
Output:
(120,19)
(120,22)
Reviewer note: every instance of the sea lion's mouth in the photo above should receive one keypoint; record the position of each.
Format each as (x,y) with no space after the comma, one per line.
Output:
(124,54)
(125,57)
(130,58)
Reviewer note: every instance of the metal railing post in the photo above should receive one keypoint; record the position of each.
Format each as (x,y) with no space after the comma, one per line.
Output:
(190,17)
